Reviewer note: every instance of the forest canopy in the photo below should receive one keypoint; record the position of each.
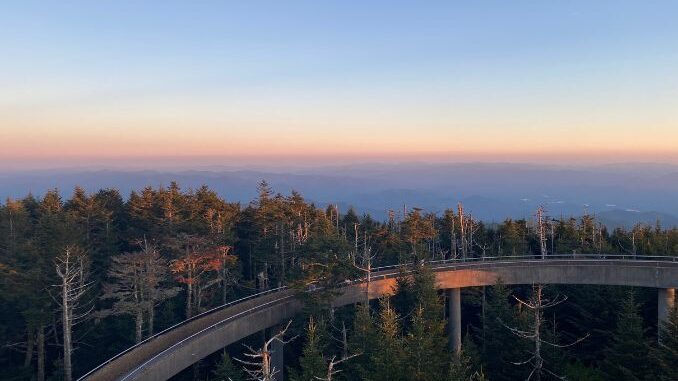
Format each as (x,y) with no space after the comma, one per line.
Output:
(83,278)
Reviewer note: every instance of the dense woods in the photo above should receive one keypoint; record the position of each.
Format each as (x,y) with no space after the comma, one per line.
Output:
(85,277)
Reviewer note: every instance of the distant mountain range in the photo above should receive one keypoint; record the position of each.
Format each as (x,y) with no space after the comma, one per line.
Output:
(620,195)
(625,218)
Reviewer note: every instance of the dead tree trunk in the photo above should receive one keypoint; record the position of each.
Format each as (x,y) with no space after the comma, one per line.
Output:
(258,366)
(41,352)
(30,342)
(541,230)
(138,326)
(71,270)
(538,315)
(460,208)
(151,318)
(537,304)
(331,367)
(453,239)
(367,269)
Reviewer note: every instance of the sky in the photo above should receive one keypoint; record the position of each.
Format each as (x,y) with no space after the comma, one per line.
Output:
(328,81)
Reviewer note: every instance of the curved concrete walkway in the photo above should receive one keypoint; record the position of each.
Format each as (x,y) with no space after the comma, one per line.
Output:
(169,352)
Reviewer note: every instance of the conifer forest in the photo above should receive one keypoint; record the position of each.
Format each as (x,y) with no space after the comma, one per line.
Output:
(83,276)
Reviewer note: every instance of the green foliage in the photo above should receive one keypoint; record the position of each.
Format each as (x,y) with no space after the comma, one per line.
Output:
(226,370)
(388,359)
(498,355)
(286,240)
(426,343)
(665,356)
(514,237)
(627,354)
(425,348)
(416,229)
(577,371)
(312,361)
(364,340)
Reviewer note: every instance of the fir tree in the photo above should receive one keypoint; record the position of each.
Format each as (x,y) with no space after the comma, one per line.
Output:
(388,358)
(666,354)
(626,357)
(312,361)
(425,349)
(500,349)
(465,365)
(227,371)
(363,340)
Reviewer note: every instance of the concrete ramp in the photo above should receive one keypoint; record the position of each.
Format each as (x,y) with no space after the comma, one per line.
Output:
(169,352)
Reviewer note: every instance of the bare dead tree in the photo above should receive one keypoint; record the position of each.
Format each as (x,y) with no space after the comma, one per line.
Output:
(464,250)
(484,246)
(366,267)
(258,364)
(333,362)
(600,237)
(199,269)
(41,352)
(472,228)
(331,367)
(156,273)
(342,340)
(537,304)
(336,212)
(552,226)
(541,231)
(71,268)
(227,276)
(355,244)
(453,237)
(136,286)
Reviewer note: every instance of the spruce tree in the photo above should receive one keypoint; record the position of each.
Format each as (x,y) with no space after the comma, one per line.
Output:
(666,354)
(500,349)
(227,371)
(465,365)
(312,361)
(426,343)
(363,340)
(388,358)
(626,357)
(425,347)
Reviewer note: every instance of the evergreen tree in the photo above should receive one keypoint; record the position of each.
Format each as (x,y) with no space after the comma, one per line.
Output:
(364,339)
(425,349)
(388,358)
(500,349)
(227,371)
(312,361)
(579,371)
(666,355)
(513,235)
(465,365)
(416,229)
(426,295)
(626,357)
(280,238)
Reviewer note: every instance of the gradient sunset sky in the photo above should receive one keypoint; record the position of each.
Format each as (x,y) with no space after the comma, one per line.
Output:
(116,81)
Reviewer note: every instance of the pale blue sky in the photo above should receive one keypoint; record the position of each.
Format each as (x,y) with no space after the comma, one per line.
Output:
(108,77)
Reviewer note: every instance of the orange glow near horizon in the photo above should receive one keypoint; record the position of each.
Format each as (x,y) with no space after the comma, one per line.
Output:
(338,129)
(557,83)
(258,145)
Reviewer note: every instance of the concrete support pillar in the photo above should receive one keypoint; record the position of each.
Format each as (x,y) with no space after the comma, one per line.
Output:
(454,319)
(666,301)
(277,360)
